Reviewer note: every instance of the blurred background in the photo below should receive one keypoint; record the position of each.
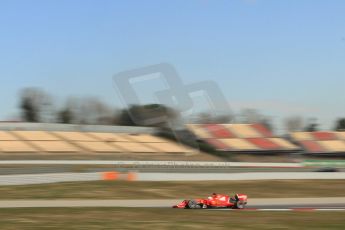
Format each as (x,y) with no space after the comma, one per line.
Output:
(67,131)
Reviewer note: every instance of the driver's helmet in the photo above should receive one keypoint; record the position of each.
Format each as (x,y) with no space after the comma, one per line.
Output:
(213,196)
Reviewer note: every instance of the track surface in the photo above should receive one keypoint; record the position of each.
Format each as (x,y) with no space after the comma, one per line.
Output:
(24,179)
(328,203)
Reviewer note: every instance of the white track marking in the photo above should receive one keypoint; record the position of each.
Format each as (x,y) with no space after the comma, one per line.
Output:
(22,179)
(155,163)
(275,209)
(283,209)
(330,209)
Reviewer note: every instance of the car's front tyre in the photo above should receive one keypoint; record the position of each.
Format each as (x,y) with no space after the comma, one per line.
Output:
(192,204)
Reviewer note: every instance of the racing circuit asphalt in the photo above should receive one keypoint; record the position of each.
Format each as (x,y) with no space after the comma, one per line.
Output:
(279,204)
(25,179)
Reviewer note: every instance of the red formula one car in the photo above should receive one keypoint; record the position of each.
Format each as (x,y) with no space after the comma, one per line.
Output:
(238,201)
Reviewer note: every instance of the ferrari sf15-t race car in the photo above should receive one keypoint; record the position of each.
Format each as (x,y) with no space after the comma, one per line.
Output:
(238,201)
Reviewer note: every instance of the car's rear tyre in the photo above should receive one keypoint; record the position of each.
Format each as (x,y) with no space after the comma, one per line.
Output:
(192,204)
(240,205)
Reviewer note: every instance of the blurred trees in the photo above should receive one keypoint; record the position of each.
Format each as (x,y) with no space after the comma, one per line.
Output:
(253,116)
(208,118)
(250,116)
(36,105)
(293,124)
(246,116)
(65,116)
(147,115)
(340,124)
(312,125)
(88,110)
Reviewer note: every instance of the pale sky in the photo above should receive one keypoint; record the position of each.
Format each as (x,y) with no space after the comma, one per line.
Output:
(282,57)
